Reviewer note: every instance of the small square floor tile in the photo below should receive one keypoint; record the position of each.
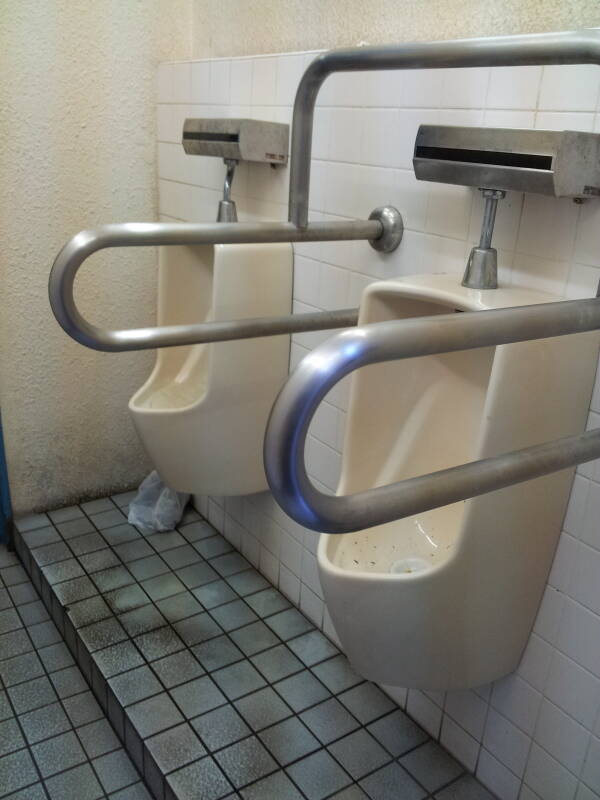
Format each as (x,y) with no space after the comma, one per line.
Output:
(101,561)
(254,638)
(68,681)
(289,740)
(134,685)
(154,715)
(312,647)
(85,612)
(217,653)
(179,606)
(288,624)
(262,708)
(337,674)
(233,615)
(5,599)
(74,590)
(268,602)
(112,578)
(397,733)
(329,720)
(30,522)
(275,787)
(158,643)
(117,658)
(10,737)
(318,775)
(88,543)
(82,708)
(126,598)
(366,702)
(9,620)
(220,727)
(44,633)
(5,707)
(202,780)
(177,668)
(123,498)
(229,564)
(301,691)
(133,550)
(13,575)
(467,788)
(40,537)
(62,570)
(197,629)
(196,531)
(50,553)
(147,567)
(245,762)
(391,782)
(98,738)
(96,506)
(109,518)
(65,514)
(175,748)
(198,696)
(57,754)
(213,546)
(32,694)
(44,722)
(14,643)
(142,620)
(359,753)
(19,668)
(351,793)
(181,556)
(115,770)
(247,582)
(75,527)
(432,766)
(120,534)
(162,586)
(17,770)
(165,540)
(102,634)
(215,594)
(23,593)
(277,663)
(196,575)
(238,679)
(79,782)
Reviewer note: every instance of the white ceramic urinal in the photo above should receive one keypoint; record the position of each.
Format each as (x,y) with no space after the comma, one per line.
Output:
(447,599)
(202,413)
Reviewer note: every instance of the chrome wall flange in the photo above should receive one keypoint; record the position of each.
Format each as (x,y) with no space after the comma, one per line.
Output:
(393,229)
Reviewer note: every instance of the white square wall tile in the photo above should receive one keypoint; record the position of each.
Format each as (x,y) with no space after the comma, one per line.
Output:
(312,605)
(459,743)
(200,82)
(564,121)
(579,636)
(548,778)
(548,227)
(569,87)
(345,137)
(498,779)
(518,701)
(427,713)
(290,69)
(219,82)
(514,87)
(469,710)
(464,88)
(591,768)
(562,737)
(585,578)
(506,742)
(573,689)
(240,82)
(264,81)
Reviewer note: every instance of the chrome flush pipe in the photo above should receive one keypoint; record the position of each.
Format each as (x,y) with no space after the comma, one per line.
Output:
(227,208)
(482,266)
(573,47)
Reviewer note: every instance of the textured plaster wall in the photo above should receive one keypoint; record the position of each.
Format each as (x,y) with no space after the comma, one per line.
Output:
(77,149)
(243,27)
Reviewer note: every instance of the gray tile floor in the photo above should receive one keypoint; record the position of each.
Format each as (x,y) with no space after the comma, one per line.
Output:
(55,741)
(215,684)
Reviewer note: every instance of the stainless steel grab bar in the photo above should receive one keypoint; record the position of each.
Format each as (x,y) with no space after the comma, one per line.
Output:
(576,47)
(136,234)
(319,371)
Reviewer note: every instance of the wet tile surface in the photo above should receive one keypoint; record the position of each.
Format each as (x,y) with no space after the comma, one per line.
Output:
(218,686)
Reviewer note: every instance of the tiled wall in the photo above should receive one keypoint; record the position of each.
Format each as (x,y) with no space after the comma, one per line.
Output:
(537,732)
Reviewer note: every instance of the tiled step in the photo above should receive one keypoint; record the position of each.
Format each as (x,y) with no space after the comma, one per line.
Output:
(55,741)
(215,684)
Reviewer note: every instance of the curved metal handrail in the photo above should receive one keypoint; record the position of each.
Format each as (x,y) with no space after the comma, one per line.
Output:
(138,234)
(569,47)
(319,372)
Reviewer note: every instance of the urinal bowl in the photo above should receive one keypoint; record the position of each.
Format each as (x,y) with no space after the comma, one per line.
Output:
(447,599)
(202,413)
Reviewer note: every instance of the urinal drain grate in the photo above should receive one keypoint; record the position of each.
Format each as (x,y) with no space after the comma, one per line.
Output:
(412,564)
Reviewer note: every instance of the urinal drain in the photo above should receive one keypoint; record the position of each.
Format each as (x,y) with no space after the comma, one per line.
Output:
(405,566)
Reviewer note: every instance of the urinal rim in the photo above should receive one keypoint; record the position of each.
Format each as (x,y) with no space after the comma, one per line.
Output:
(450,293)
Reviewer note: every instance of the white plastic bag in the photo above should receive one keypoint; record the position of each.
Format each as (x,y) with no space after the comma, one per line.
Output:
(156,507)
